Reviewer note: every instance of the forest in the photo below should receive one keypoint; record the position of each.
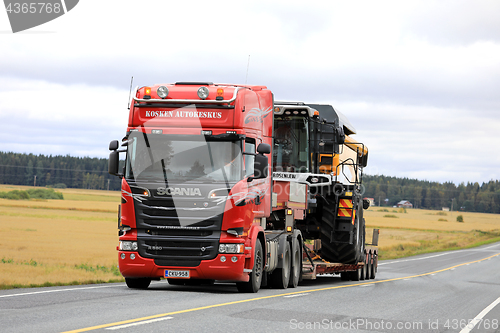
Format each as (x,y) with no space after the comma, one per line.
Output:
(470,197)
(92,173)
(56,171)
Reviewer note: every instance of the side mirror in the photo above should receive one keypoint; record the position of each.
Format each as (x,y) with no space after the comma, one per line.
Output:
(114,160)
(264,148)
(261,163)
(113,145)
(340,135)
(364,160)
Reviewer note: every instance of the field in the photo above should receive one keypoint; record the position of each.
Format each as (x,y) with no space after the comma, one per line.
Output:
(415,231)
(73,241)
(52,242)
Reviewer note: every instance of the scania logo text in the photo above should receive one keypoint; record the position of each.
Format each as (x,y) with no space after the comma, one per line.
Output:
(178,191)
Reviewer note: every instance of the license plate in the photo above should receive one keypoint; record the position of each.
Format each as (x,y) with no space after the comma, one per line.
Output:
(177,274)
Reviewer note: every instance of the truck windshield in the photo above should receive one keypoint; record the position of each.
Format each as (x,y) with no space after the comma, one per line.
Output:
(183,158)
(291,148)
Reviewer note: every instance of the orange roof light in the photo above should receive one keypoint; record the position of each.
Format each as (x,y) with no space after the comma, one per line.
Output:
(220,94)
(147,90)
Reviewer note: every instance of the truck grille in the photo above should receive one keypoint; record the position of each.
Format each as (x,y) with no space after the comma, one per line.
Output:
(178,235)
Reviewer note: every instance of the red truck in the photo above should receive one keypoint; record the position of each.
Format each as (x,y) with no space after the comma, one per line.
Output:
(199,202)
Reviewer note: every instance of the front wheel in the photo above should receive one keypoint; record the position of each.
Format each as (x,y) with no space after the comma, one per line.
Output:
(253,284)
(138,283)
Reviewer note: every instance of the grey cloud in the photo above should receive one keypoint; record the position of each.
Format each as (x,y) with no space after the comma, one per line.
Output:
(455,22)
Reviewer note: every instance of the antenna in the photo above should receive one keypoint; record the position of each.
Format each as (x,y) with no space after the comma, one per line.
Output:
(130,92)
(248,66)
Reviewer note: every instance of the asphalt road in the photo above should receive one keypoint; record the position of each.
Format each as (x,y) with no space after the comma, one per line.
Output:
(441,292)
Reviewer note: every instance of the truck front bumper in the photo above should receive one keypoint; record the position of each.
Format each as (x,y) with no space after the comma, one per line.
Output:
(232,269)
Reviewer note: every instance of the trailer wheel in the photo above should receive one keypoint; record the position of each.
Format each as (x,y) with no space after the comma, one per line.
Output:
(253,284)
(345,276)
(368,266)
(138,283)
(281,276)
(357,274)
(296,264)
(373,268)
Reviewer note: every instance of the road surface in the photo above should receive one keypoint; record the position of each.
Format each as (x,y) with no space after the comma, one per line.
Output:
(457,291)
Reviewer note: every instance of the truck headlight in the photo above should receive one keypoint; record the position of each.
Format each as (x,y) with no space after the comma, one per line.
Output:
(231,248)
(128,246)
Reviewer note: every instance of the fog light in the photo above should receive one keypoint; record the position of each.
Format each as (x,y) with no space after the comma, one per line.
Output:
(223,259)
(132,256)
(122,256)
(234,259)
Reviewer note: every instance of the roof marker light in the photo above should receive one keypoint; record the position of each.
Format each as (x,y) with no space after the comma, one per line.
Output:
(220,94)
(147,93)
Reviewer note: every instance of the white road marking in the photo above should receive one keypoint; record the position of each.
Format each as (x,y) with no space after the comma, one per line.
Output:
(58,290)
(138,323)
(480,316)
(296,295)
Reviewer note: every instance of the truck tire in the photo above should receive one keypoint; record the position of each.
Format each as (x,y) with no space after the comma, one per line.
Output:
(296,264)
(255,281)
(138,283)
(340,252)
(357,274)
(280,277)
(373,268)
(368,266)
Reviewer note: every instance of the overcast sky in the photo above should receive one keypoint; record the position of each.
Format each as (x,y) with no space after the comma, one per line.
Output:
(419,80)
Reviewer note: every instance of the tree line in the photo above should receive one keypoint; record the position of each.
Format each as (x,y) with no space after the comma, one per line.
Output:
(92,173)
(470,197)
(56,171)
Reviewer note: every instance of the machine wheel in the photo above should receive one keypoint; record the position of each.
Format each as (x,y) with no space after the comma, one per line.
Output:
(373,268)
(138,283)
(281,276)
(253,285)
(296,264)
(341,252)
